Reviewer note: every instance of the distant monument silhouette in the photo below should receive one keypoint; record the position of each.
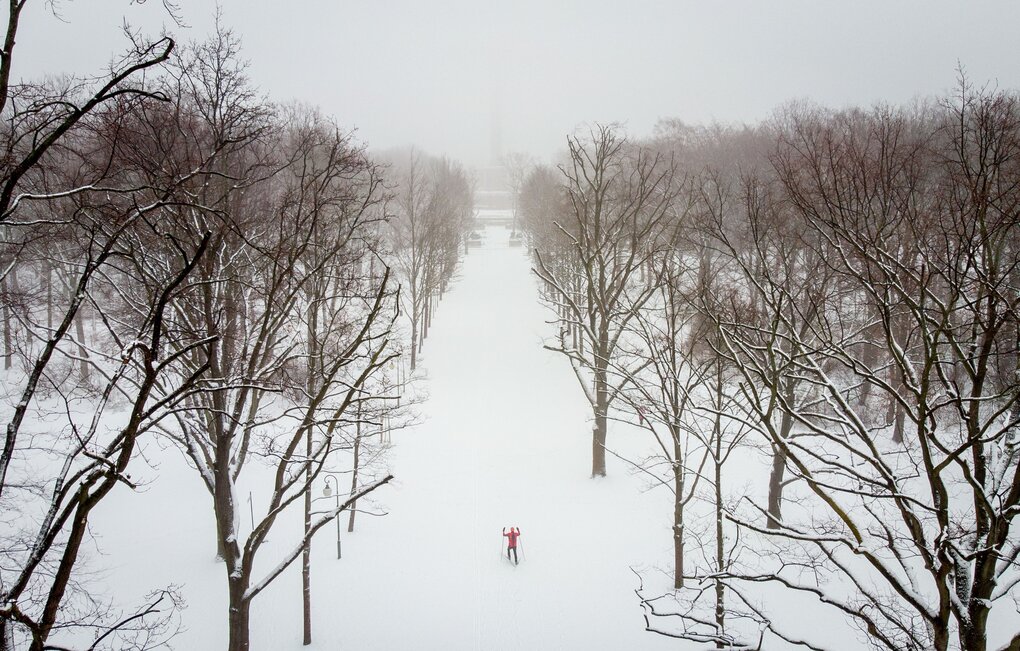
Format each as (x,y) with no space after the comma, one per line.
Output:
(493,203)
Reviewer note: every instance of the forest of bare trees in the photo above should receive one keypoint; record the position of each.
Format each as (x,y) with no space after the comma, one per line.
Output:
(837,291)
(431,216)
(184,260)
(811,324)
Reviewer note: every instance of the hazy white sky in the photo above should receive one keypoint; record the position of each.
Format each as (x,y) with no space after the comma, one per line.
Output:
(441,73)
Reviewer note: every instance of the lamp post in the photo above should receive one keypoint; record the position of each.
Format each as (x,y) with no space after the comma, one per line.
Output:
(327,491)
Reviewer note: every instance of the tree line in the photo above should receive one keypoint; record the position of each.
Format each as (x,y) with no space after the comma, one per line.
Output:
(182,259)
(834,290)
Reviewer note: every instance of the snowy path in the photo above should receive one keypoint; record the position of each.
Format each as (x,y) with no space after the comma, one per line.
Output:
(506,440)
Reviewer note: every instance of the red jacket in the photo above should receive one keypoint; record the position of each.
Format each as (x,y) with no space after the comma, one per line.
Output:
(512,537)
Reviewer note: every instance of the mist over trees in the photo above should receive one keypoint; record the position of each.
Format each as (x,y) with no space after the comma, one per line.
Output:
(431,213)
(840,289)
(183,259)
(812,323)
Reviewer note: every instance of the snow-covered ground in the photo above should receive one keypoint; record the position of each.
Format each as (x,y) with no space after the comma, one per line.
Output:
(505,441)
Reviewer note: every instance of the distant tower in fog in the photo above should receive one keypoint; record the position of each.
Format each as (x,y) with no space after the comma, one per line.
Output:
(495,135)
(492,200)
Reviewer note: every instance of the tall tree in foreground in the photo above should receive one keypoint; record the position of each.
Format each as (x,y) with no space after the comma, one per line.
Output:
(61,475)
(919,217)
(301,325)
(682,392)
(621,199)
(665,339)
(59,145)
(330,189)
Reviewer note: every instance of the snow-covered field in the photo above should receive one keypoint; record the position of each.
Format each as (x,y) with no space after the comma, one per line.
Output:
(505,441)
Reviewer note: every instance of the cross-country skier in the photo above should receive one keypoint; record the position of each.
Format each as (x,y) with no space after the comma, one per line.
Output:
(511,542)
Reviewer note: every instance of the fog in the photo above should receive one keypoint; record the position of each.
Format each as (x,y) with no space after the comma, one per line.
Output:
(731,388)
(470,79)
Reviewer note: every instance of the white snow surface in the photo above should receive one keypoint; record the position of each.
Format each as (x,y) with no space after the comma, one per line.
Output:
(506,440)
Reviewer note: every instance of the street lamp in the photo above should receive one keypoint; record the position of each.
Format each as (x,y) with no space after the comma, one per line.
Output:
(327,491)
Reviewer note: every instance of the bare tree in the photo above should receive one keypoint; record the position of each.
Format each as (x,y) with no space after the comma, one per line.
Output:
(619,203)
(300,324)
(67,201)
(916,217)
(683,393)
(517,165)
(432,212)
(334,191)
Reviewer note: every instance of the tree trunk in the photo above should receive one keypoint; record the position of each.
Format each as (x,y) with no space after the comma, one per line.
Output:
(869,356)
(426,319)
(4,304)
(354,473)
(896,413)
(306,554)
(414,343)
(311,385)
(226,513)
(62,576)
(975,636)
(598,445)
(6,635)
(898,424)
(221,546)
(940,641)
(48,279)
(678,512)
(775,510)
(237,582)
(1013,433)
(7,286)
(1014,414)
(720,559)
(238,629)
(775,513)
(79,329)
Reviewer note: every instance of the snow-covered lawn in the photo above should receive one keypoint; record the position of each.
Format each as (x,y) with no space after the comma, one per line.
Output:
(505,441)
